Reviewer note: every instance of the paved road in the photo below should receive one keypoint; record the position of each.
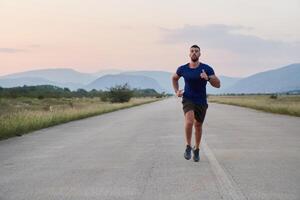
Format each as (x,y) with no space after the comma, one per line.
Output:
(137,153)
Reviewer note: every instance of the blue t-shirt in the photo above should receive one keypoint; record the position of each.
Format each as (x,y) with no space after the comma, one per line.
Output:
(195,86)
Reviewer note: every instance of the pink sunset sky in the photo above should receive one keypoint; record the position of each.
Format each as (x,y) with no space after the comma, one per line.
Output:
(237,37)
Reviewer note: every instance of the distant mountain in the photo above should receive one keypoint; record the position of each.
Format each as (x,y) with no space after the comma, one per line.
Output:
(107,72)
(134,81)
(64,78)
(279,80)
(58,75)
(162,77)
(34,81)
(14,82)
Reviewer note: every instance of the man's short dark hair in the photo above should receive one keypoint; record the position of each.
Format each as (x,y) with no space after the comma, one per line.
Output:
(195,46)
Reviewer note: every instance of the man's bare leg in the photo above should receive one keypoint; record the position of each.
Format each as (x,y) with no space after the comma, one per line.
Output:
(189,121)
(198,133)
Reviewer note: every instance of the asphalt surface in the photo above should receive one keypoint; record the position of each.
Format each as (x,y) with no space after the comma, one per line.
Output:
(137,153)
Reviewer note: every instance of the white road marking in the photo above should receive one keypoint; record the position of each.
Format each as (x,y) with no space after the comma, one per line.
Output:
(228,188)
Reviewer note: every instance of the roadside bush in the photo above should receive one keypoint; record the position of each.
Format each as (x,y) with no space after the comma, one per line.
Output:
(120,93)
(273,96)
(104,96)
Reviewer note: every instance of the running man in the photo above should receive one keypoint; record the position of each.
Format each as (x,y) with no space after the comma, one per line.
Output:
(196,75)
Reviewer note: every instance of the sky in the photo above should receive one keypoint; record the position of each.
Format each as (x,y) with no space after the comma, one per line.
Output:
(237,37)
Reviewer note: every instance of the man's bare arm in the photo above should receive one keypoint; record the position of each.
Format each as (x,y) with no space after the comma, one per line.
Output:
(175,79)
(215,81)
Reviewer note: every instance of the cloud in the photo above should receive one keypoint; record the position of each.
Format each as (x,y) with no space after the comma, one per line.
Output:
(11,50)
(219,36)
(14,50)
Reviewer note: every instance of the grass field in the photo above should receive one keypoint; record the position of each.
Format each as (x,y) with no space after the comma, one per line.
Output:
(23,115)
(281,104)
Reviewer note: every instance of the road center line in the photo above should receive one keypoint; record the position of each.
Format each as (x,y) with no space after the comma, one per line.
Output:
(228,188)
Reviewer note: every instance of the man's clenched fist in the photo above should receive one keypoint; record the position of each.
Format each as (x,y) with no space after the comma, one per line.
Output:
(179,93)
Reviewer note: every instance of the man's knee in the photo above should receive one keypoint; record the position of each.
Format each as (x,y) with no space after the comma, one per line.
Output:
(189,118)
(189,122)
(198,125)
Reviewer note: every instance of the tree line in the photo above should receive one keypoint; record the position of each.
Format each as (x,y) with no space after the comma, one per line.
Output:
(118,93)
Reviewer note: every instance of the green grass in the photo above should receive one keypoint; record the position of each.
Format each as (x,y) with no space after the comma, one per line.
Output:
(283,104)
(23,115)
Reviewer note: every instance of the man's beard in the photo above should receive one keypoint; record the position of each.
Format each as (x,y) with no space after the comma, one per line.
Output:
(194,59)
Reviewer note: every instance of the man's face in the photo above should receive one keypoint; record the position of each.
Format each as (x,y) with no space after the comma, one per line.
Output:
(194,54)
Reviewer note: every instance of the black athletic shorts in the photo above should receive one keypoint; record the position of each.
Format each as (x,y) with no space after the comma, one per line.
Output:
(199,110)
